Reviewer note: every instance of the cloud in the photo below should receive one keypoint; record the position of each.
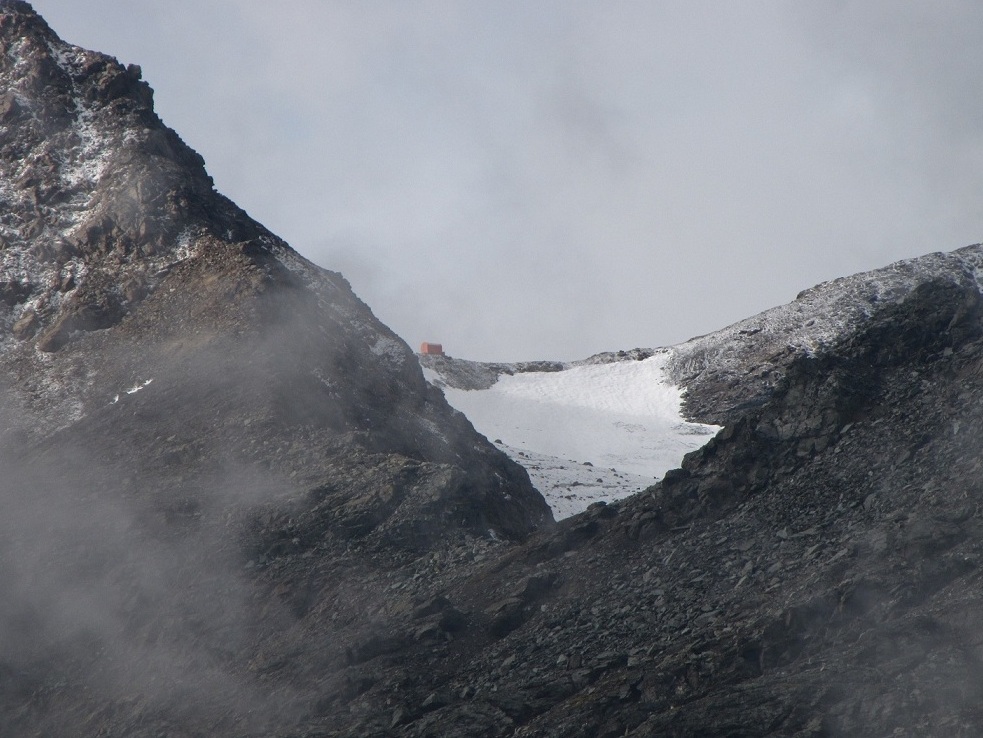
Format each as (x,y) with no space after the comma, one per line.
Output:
(555,179)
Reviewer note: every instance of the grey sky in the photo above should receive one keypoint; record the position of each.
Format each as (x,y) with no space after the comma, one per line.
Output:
(525,180)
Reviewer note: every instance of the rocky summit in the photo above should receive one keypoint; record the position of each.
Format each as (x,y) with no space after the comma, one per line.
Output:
(231,505)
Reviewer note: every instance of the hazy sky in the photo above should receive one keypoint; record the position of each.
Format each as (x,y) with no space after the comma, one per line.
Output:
(550,179)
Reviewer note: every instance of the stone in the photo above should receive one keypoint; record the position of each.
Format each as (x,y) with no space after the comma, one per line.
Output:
(26,326)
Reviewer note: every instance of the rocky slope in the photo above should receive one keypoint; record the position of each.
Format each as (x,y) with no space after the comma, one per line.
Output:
(184,400)
(812,571)
(233,507)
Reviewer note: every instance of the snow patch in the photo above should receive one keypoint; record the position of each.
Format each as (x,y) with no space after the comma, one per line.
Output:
(624,418)
(187,246)
(570,486)
(431,376)
(133,390)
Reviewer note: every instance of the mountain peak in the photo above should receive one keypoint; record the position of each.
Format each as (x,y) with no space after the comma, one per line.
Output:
(20,16)
(120,263)
(95,189)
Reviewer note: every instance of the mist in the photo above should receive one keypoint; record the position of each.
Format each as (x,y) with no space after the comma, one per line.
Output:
(128,588)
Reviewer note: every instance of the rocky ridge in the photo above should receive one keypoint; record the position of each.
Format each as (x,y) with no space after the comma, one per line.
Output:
(714,368)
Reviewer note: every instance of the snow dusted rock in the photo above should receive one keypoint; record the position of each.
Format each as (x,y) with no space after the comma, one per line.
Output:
(731,370)
(92,183)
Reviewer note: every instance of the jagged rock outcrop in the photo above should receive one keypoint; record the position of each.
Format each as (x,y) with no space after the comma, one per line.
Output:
(733,370)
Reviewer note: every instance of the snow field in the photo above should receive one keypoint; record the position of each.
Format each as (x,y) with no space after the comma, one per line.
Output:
(587,433)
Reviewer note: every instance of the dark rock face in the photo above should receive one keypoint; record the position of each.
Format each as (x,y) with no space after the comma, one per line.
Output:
(231,505)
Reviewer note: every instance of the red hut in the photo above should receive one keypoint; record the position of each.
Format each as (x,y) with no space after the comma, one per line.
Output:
(432,348)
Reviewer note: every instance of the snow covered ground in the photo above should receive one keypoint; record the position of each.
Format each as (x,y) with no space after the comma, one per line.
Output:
(590,432)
